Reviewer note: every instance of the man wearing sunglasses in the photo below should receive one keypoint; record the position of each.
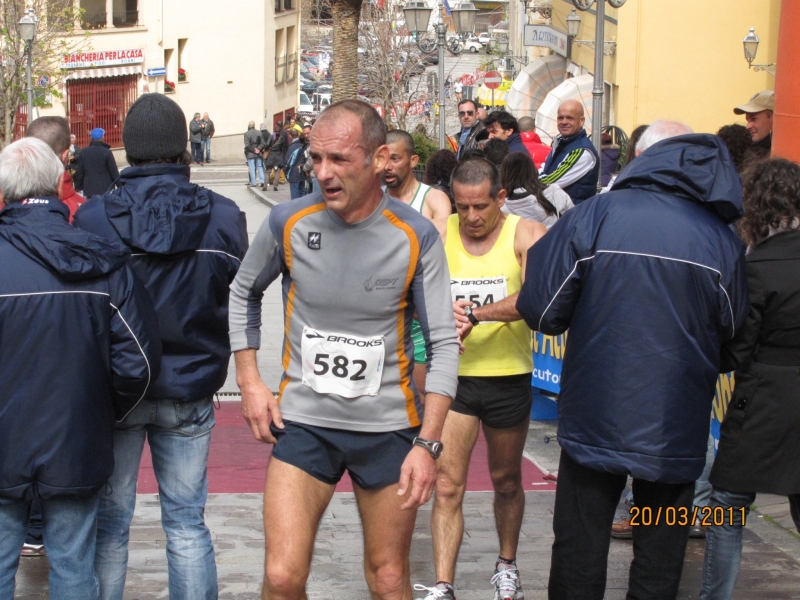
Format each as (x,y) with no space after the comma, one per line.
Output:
(470,126)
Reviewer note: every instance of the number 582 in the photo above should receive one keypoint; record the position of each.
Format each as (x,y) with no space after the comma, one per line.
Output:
(340,368)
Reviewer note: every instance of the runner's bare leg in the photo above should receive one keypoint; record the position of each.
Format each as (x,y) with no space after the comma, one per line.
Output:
(447,519)
(294,502)
(387,542)
(505,448)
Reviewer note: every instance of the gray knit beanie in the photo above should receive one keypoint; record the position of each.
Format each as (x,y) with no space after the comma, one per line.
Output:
(155,128)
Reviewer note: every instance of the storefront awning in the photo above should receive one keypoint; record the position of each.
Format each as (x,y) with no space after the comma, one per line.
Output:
(533,84)
(108,72)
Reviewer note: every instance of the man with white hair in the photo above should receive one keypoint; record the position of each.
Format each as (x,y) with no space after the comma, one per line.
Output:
(650,281)
(63,293)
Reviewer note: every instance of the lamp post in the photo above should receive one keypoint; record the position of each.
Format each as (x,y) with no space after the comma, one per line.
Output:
(27,31)
(750,43)
(417,15)
(599,53)
(573,27)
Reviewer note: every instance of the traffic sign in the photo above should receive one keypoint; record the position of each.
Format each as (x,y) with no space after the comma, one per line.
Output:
(492,80)
(44,81)
(157,72)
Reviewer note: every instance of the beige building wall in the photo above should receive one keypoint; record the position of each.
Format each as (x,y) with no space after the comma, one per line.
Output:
(228,51)
(680,59)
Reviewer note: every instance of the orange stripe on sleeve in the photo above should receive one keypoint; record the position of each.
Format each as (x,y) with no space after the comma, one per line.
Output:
(403,362)
(287,253)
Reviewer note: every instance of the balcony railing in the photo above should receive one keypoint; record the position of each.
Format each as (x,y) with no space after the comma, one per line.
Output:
(126,18)
(291,67)
(95,20)
(280,69)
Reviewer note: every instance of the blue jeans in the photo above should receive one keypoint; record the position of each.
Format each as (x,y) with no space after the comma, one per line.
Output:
(296,189)
(253,164)
(197,152)
(179,434)
(70,529)
(702,487)
(205,149)
(724,542)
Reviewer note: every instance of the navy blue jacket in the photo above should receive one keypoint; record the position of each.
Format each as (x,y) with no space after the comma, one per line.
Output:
(294,168)
(563,156)
(187,244)
(78,348)
(650,281)
(515,144)
(96,170)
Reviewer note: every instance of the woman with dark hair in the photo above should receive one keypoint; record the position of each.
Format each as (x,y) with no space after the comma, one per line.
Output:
(437,172)
(527,196)
(759,447)
(738,141)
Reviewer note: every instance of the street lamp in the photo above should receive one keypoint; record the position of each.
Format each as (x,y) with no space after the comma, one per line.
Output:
(417,15)
(573,27)
(750,43)
(27,31)
(599,52)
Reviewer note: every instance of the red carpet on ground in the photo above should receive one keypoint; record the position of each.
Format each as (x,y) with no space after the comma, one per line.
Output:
(237,463)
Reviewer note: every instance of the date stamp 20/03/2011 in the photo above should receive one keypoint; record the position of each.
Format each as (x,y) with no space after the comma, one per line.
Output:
(681,516)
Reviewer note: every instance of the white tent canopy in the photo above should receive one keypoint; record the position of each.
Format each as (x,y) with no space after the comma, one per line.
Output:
(533,83)
(576,88)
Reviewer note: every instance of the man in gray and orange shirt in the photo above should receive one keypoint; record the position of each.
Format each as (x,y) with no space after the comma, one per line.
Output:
(355,267)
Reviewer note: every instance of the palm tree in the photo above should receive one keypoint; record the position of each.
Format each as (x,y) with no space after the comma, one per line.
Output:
(346,16)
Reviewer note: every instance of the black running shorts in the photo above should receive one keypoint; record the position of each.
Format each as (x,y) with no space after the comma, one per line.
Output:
(372,459)
(499,402)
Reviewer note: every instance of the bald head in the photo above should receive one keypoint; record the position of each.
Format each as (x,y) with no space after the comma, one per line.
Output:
(570,118)
(526,124)
(661,130)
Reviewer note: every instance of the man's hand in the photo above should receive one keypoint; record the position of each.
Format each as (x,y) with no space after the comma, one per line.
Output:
(463,324)
(260,407)
(259,404)
(419,473)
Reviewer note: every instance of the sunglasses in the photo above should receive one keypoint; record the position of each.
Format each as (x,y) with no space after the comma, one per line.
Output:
(461,113)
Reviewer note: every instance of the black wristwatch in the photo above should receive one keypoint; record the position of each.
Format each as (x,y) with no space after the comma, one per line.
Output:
(472,318)
(434,447)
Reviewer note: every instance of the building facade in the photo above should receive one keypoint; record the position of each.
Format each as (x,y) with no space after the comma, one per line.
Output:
(676,59)
(237,62)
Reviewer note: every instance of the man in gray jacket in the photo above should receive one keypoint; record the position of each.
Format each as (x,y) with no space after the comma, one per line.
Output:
(196,138)
(253,145)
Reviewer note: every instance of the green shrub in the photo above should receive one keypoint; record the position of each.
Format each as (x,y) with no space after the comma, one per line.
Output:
(425,146)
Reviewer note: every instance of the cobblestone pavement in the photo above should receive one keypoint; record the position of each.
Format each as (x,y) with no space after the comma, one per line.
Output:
(770,564)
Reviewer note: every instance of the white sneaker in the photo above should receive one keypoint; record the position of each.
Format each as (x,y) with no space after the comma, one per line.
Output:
(437,592)
(506,583)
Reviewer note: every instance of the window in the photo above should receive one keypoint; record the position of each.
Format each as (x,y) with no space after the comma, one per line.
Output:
(278,6)
(288,4)
(280,56)
(94,14)
(183,71)
(60,15)
(126,13)
(291,53)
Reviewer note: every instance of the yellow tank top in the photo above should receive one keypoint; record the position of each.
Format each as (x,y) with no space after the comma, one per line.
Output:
(492,349)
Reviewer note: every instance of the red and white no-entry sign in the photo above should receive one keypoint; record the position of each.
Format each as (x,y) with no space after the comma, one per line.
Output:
(492,80)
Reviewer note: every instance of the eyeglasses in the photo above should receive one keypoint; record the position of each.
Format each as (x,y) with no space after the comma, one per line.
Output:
(461,113)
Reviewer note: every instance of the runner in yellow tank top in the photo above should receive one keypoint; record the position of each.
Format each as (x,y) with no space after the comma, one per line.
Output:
(486,254)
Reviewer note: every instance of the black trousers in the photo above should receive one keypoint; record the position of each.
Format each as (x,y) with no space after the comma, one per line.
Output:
(586,501)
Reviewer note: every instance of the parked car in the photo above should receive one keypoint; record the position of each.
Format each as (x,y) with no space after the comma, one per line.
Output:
(305,109)
(484,38)
(472,46)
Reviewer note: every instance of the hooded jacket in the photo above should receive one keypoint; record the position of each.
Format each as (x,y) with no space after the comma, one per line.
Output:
(80,349)
(650,281)
(187,244)
(536,148)
(97,170)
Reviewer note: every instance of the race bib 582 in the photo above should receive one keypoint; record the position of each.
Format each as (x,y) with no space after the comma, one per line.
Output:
(342,364)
